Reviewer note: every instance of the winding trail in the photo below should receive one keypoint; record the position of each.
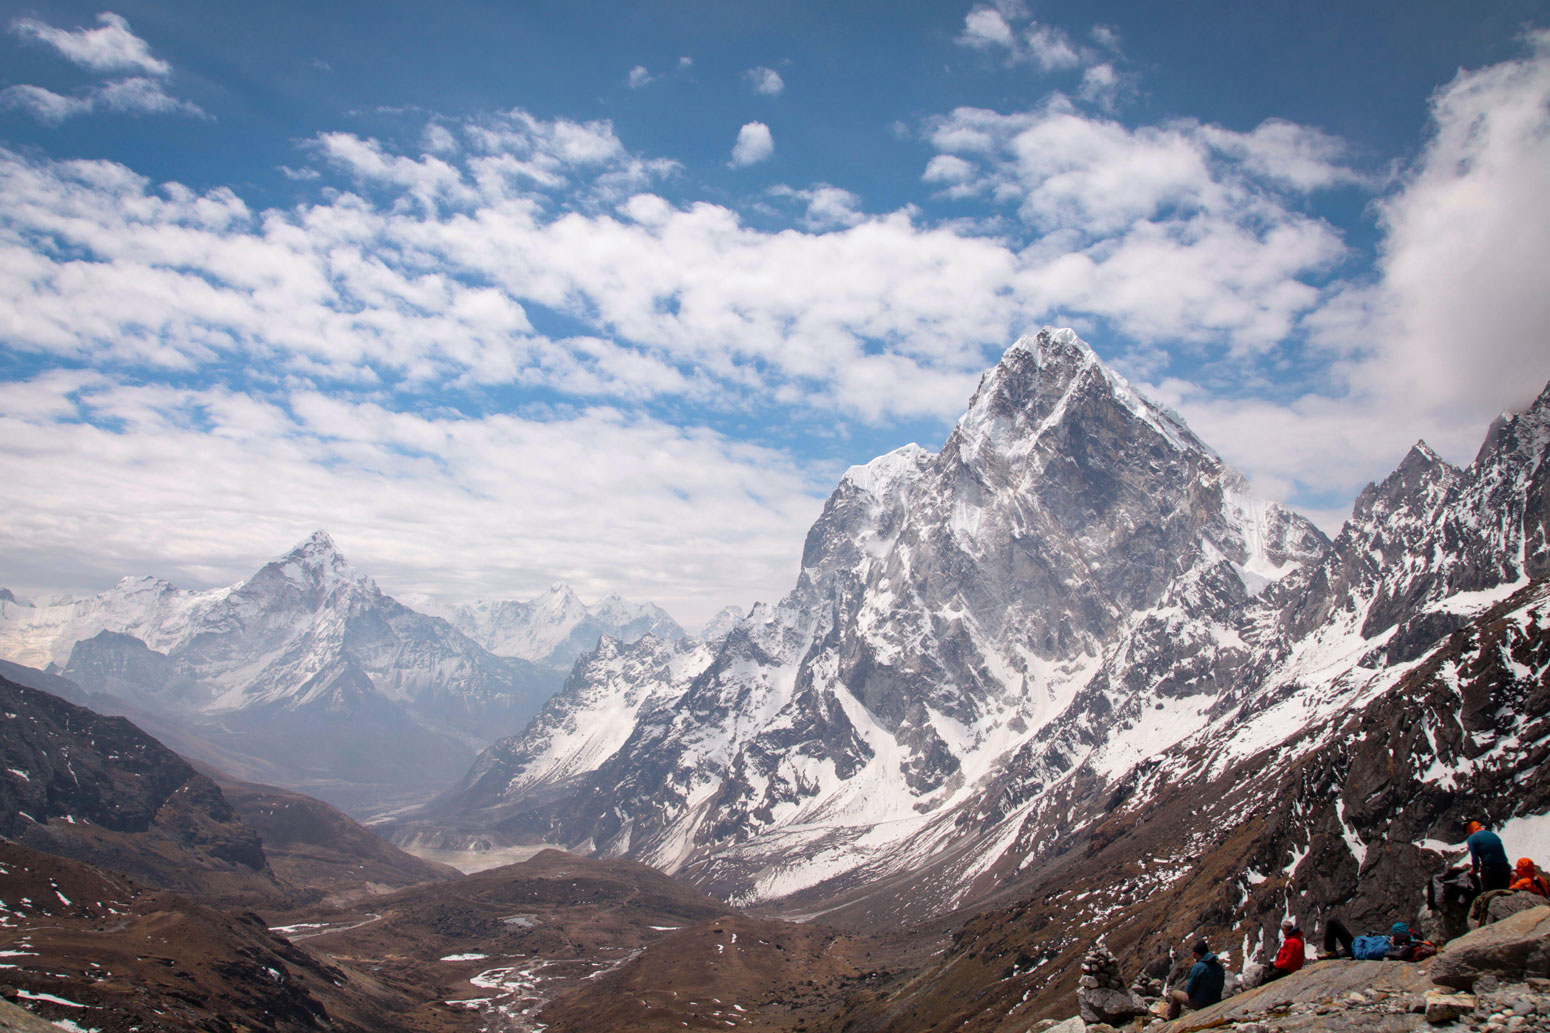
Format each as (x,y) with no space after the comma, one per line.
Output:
(298,937)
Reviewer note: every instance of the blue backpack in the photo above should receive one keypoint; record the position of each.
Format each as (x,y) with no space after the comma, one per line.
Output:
(1370,948)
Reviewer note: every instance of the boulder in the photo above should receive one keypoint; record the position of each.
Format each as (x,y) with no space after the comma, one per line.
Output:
(1443,1008)
(1113,1006)
(1511,904)
(1513,950)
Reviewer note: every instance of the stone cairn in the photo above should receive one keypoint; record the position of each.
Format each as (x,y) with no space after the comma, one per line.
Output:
(1101,995)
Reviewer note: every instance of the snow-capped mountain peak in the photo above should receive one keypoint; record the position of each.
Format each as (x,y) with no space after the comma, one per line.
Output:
(315,568)
(1043,382)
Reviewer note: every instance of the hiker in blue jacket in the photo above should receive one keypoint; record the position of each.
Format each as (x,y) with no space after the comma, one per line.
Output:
(1204,986)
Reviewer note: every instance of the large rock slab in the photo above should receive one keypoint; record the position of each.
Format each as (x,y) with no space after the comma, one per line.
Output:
(1512,950)
(1293,1004)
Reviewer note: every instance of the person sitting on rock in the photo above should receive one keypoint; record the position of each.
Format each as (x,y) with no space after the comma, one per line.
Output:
(1488,858)
(1526,879)
(1204,986)
(1291,955)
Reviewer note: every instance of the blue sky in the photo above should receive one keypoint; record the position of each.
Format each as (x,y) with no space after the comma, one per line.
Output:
(608,293)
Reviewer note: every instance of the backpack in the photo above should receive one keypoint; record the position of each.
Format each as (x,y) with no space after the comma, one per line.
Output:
(1370,948)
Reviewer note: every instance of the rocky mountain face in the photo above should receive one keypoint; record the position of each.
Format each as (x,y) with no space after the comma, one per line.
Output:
(555,628)
(1348,818)
(954,610)
(97,789)
(306,666)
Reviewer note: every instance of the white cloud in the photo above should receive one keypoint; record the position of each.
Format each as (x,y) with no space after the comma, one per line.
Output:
(638,77)
(429,179)
(680,515)
(764,80)
(754,144)
(441,275)
(1050,48)
(985,27)
(439,139)
(429,277)
(1008,30)
(1168,232)
(1462,304)
(1106,37)
(134,96)
(44,105)
(1101,85)
(1300,157)
(948,168)
(111,48)
(1451,331)
(827,207)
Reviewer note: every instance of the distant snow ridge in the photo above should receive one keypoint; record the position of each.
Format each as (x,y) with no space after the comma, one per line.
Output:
(556,628)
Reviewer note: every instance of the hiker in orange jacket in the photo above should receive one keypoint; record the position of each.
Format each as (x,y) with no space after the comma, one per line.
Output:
(1526,877)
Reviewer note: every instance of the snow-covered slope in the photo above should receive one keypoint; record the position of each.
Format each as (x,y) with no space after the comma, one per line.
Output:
(555,628)
(306,664)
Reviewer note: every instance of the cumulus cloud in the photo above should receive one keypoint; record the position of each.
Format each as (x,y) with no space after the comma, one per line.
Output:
(754,144)
(638,77)
(764,80)
(431,273)
(1179,231)
(1467,243)
(985,28)
(111,48)
(1101,85)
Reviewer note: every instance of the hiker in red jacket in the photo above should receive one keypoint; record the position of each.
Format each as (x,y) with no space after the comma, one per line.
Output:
(1290,957)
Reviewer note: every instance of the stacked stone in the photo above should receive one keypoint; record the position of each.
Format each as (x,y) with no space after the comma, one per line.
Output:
(1102,995)
(1100,970)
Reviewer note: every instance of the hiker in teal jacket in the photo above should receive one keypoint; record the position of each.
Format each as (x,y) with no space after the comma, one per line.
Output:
(1488,858)
(1204,986)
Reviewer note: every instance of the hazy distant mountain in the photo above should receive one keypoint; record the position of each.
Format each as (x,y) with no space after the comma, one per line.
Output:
(306,666)
(555,628)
